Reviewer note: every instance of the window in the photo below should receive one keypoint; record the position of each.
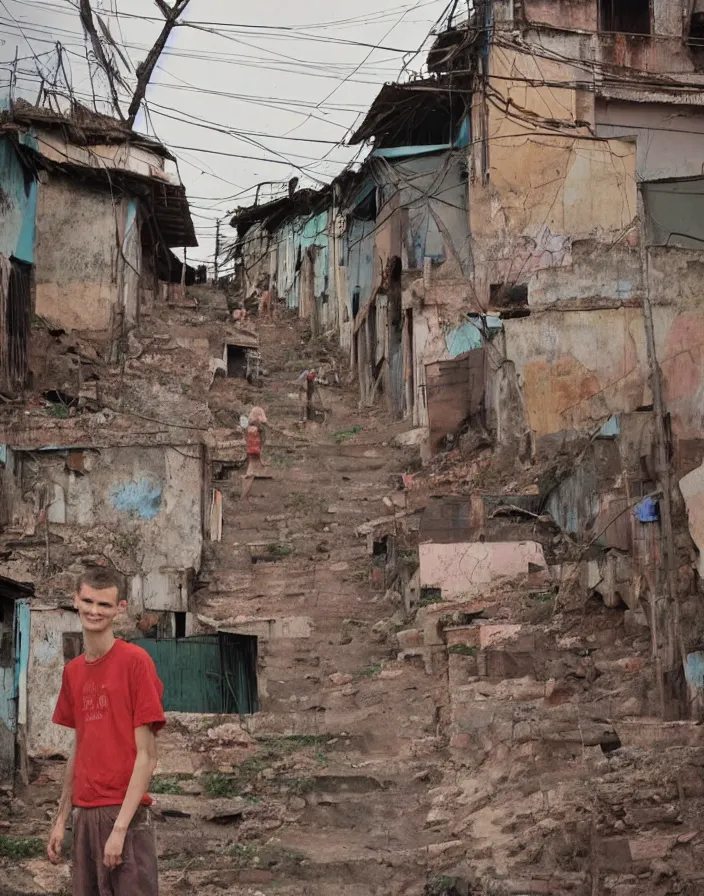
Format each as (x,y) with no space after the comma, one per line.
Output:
(625,16)
(510,299)
(72,645)
(180,625)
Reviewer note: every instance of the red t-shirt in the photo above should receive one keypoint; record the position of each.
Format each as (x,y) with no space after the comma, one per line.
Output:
(105,701)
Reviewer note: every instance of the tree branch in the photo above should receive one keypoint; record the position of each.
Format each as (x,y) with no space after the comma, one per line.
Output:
(164,8)
(146,68)
(86,15)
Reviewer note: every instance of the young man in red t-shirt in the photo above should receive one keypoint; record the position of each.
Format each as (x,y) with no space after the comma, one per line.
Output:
(111,695)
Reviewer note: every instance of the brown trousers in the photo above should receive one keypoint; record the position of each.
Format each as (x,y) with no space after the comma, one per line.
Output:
(136,876)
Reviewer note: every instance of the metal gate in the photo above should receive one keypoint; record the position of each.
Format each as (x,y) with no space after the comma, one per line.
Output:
(208,673)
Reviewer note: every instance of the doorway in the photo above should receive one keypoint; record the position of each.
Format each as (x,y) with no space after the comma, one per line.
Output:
(14,660)
(236,361)
(207,673)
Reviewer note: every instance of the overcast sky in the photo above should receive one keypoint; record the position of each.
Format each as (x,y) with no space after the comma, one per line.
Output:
(288,76)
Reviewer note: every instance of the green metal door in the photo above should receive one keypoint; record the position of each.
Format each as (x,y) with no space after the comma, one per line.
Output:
(208,673)
(190,671)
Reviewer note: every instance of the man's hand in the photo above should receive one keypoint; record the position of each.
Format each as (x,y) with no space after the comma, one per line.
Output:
(113,849)
(56,839)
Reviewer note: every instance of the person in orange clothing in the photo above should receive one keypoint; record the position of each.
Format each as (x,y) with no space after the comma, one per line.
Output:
(256,436)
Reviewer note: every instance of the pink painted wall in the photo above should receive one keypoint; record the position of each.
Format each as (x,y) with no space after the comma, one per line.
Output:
(458,569)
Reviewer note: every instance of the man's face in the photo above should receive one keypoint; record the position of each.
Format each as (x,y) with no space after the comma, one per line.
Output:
(97,608)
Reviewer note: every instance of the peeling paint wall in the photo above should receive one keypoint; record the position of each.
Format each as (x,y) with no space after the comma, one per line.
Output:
(46,666)
(76,255)
(670,137)
(149,498)
(577,369)
(124,156)
(429,217)
(18,200)
(461,569)
(542,191)
(581,15)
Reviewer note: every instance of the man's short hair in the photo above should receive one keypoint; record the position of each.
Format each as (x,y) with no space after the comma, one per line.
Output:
(102,578)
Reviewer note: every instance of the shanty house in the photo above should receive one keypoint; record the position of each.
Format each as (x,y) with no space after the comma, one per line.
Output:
(91,214)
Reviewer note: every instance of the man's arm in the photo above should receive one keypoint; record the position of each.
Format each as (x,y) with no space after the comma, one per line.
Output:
(144,766)
(58,830)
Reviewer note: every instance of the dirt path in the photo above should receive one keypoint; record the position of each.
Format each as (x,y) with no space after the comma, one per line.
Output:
(328,792)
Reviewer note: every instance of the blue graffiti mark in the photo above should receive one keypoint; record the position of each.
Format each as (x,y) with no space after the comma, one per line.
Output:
(141,498)
(694,669)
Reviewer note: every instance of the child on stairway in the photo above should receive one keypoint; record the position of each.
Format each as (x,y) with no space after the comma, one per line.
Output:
(256,435)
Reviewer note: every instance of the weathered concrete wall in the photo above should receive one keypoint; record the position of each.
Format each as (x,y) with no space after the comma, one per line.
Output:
(425,214)
(121,155)
(583,15)
(149,498)
(543,191)
(18,200)
(580,15)
(46,666)
(76,255)
(460,569)
(670,137)
(577,369)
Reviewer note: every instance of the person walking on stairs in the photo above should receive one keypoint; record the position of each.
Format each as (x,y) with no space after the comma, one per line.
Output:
(256,435)
(307,392)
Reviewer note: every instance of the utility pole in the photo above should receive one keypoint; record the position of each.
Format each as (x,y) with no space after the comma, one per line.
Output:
(217,250)
(667,598)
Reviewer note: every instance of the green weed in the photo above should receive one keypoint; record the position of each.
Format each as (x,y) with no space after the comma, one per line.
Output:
(168,784)
(430,596)
(59,410)
(345,434)
(300,786)
(463,650)
(369,671)
(21,847)
(279,550)
(221,785)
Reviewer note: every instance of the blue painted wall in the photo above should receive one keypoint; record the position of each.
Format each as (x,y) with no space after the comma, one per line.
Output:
(358,257)
(293,238)
(140,498)
(469,336)
(18,206)
(694,670)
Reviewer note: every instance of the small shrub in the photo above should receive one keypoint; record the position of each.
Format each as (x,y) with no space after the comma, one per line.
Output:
(301,786)
(21,847)
(167,784)
(279,550)
(244,854)
(59,410)
(430,596)
(463,650)
(220,784)
(369,671)
(345,434)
